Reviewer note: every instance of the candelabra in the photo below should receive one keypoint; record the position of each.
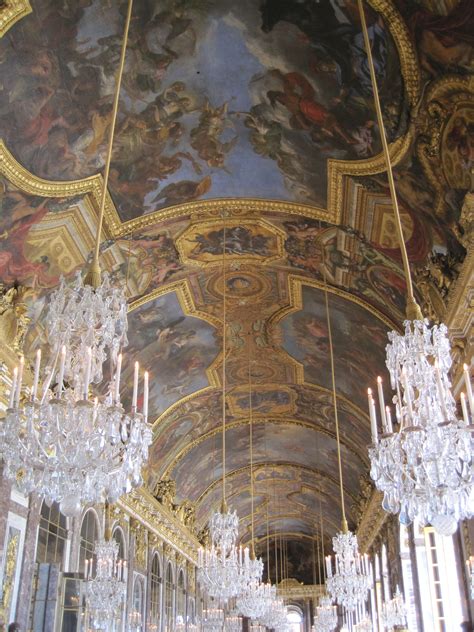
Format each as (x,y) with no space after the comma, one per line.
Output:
(105,590)
(425,468)
(394,611)
(349,583)
(254,600)
(135,621)
(325,617)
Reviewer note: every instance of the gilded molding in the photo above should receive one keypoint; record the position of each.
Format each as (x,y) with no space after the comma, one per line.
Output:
(11,12)
(141,506)
(371,522)
(294,591)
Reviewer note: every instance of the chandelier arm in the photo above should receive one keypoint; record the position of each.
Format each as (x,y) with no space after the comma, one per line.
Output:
(49,379)
(93,277)
(336,417)
(413,311)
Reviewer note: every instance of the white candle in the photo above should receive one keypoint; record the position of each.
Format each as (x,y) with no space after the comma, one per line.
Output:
(373,417)
(13,388)
(61,370)
(117,379)
(328,566)
(381,403)
(464,409)
(19,382)
(85,568)
(145,395)
(87,375)
(36,375)
(467,380)
(135,387)
(388,416)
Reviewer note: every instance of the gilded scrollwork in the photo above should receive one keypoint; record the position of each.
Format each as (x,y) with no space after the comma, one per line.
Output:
(10,12)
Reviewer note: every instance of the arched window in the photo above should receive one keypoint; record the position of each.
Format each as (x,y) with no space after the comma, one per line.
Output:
(155,594)
(181,599)
(119,538)
(52,535)
(169,598)
(89,535)
(295,619)
(138,594)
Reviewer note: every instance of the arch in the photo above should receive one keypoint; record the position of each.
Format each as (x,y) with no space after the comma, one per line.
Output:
(169,598)
(119,536)
(155,598)
(90,532)
(181,598)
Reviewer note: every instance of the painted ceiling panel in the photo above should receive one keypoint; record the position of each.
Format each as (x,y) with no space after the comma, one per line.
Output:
(218,100)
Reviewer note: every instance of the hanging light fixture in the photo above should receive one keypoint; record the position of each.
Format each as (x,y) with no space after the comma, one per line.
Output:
(253,599)
(424,469)
(105,576)
(232,621)
(349,583)
(222,566)
(394,611)
(64,442)
(325,615)
(213,618)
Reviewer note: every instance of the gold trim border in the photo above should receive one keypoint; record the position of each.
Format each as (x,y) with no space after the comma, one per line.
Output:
(12,12)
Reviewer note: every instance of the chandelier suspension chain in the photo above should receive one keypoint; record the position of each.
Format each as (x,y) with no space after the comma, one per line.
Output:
(413,310)
(224,351)
(252,549)
(94,271)
(333,379)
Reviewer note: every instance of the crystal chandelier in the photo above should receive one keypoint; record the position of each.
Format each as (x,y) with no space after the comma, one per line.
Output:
(222,565)
(364,625)
(213,619)
(425,469)
(65,442)
(394,611)
(233,621)
(325,617)
(349,583)
(105,591)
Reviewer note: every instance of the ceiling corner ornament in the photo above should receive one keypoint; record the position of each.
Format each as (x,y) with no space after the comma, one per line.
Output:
(68,438)
(11,11)
(425,468)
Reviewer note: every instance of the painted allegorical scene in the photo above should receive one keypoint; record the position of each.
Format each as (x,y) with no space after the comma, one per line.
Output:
(219,99)
(175,348)
(358,336)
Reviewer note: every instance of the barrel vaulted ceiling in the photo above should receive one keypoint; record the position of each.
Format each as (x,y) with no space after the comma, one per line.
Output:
(258,114)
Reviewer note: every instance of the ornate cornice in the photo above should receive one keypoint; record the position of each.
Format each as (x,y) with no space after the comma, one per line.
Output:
(141,506)
(292,590)
(371,522)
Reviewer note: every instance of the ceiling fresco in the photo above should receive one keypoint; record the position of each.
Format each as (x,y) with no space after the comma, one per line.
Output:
(255,118)
(189,129)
